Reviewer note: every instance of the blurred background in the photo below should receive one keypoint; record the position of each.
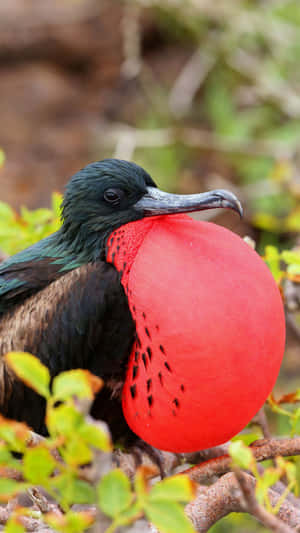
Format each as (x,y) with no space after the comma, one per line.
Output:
(202,94)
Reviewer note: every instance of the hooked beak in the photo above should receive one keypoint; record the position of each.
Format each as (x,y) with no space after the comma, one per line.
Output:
(157,202)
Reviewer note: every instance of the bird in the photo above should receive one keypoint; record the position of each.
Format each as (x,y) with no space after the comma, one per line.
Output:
(75,300)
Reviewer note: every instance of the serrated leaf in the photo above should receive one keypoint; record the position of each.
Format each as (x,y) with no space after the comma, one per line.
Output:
(114,493)
(38,464)
(31,371)
(241,455)
(76,382)
(177,488)
(168,517)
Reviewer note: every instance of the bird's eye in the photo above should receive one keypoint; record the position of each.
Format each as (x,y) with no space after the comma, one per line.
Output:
(112,196)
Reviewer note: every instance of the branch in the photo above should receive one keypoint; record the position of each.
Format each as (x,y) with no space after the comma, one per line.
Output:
(225,496)
(262,449)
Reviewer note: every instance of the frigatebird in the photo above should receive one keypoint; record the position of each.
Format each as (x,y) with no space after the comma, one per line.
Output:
(63,301)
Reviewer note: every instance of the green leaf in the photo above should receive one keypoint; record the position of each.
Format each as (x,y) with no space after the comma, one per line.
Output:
(287,133)
(129,515)
(168,517)
(2,158)
(38,464)
(15,434)
(77,382)
(114,493)
(7,459)
(13,525)
(272,258)
(31,371)
(290,257)
(176,488)
(247,438)
(10,487)
(70,522)
(241,455)
(263,483)
(64,420)
(7,214)
(76,452)
(71,490)
(95,436)
(292,222)
(56,201)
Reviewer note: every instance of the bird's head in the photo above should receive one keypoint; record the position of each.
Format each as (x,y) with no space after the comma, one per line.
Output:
(107,194)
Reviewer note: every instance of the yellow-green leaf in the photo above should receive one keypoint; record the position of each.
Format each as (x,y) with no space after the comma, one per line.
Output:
(76,452)
(2,158)
(114,493)
(241,455)
(95,436)
(15,434)
(70,522)
(176,488)
(38,464)
(30,370)
(76,382)
(10,487)
(14,525)
(64,420)
(73,490)
(272,258)
(168,517)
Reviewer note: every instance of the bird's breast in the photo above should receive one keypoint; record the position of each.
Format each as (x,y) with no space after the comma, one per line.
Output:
(203,302)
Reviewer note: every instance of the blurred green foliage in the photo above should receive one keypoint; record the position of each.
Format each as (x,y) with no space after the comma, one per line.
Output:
(56,463)
(18,231)
(244,95)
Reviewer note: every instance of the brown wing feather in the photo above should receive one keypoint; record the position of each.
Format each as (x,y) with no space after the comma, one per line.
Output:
(81,320)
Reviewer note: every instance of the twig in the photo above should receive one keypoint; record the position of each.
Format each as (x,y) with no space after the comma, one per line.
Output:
(131,30)
(224,496)
(189,81)
(255,509)
(261,420)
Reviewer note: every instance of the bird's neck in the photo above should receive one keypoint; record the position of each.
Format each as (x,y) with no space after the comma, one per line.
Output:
(76,247)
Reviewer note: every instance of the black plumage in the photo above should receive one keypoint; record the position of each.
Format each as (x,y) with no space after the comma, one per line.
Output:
(61,300)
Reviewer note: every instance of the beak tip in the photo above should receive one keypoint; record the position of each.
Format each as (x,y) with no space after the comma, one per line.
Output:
(240,210)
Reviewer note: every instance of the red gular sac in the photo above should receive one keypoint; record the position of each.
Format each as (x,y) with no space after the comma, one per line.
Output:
(210,331)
